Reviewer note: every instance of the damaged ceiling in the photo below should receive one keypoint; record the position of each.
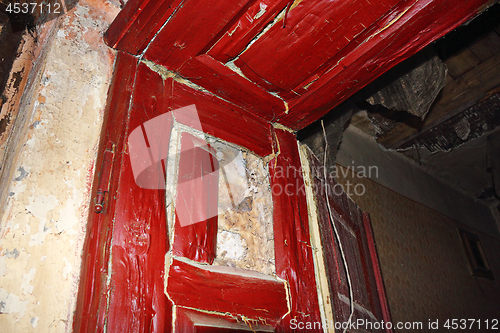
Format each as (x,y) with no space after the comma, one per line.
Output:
(451,94)
(284,61)
(291,62)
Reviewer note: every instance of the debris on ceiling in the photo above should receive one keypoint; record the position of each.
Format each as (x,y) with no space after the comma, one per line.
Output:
(451,94)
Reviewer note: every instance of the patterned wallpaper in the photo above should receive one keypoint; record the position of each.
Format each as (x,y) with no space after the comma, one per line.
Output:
(422,260)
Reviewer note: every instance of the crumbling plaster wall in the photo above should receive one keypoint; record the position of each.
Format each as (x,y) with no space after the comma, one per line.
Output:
(44,218)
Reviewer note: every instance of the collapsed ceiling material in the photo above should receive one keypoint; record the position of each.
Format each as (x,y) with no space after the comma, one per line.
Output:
(474,122)
(416,89)
(471,54)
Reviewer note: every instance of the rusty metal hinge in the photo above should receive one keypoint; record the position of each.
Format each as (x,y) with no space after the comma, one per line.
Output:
(104,177)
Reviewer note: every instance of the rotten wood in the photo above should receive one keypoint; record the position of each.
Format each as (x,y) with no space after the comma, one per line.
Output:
(482,118)
(423,77)
(458,95)
(137,23)
(342,46)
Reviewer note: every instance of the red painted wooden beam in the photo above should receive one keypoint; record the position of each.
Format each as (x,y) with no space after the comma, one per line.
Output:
(318,55)
(195,230)
(223,119)
(195,25)
(310,35)
(140,237)
(225,290)
(405,30)
(292,241)
(222,81)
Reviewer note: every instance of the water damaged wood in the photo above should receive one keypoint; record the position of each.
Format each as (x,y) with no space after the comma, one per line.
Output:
(474,122)
(472,56)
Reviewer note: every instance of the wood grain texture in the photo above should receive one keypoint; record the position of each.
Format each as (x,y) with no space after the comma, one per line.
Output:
(245,28)
(293,252)
(226,290)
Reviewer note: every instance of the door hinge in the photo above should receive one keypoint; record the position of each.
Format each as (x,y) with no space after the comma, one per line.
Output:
(104,177)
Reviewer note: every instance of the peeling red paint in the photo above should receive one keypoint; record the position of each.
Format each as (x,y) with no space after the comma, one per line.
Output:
(326,51)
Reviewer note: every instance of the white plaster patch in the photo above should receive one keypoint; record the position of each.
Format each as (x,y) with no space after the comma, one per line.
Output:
(10,303)
(30,143)
(230,245)
(26,286)
(67,217)
(39,207)
(67,268)
(34,321)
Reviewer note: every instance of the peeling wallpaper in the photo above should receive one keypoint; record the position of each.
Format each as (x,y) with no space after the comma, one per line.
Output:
(43,224)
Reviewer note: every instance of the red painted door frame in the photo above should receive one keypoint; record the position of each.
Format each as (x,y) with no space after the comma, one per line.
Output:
(123,271)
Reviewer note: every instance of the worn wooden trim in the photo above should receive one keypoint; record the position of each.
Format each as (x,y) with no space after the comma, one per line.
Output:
(224,82)
(222,119)
(190,320)
(360,257)
(196,174)
(292,241)
(324,292)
